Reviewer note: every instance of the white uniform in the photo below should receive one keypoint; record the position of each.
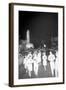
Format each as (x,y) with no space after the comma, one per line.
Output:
(29,63)
(25,62)
(51,58)
(39,57)
(56,65)
(35,60)
(44,57)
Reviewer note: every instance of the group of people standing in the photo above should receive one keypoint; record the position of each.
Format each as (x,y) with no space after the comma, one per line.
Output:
(32,61)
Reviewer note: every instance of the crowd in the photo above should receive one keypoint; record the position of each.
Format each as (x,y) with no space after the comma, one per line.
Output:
(32,60)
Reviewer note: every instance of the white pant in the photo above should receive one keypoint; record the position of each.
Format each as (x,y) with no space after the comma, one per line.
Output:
(36,68)
(52,67)
(29,69)
(56,68)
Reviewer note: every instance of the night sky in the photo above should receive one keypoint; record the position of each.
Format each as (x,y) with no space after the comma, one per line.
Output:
(42,25)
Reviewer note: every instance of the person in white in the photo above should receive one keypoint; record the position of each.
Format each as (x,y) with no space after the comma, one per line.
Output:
(25,62)
(29,63)
(44,57)
(51,58)
(56,64)
(35,61)
(39,57)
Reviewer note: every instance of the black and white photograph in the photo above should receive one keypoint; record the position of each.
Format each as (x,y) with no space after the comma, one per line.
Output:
(37,44)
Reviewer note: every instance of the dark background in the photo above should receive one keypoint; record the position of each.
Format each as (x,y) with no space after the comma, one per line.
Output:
(42,25)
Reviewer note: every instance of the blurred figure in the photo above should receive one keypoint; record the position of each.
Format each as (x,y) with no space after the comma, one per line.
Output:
(56,64)
(29,63)
(51,58)
(25,62)
(39,57)
(35,61)
(44,57)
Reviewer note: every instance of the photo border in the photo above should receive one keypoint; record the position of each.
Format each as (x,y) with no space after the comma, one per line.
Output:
(11,43)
